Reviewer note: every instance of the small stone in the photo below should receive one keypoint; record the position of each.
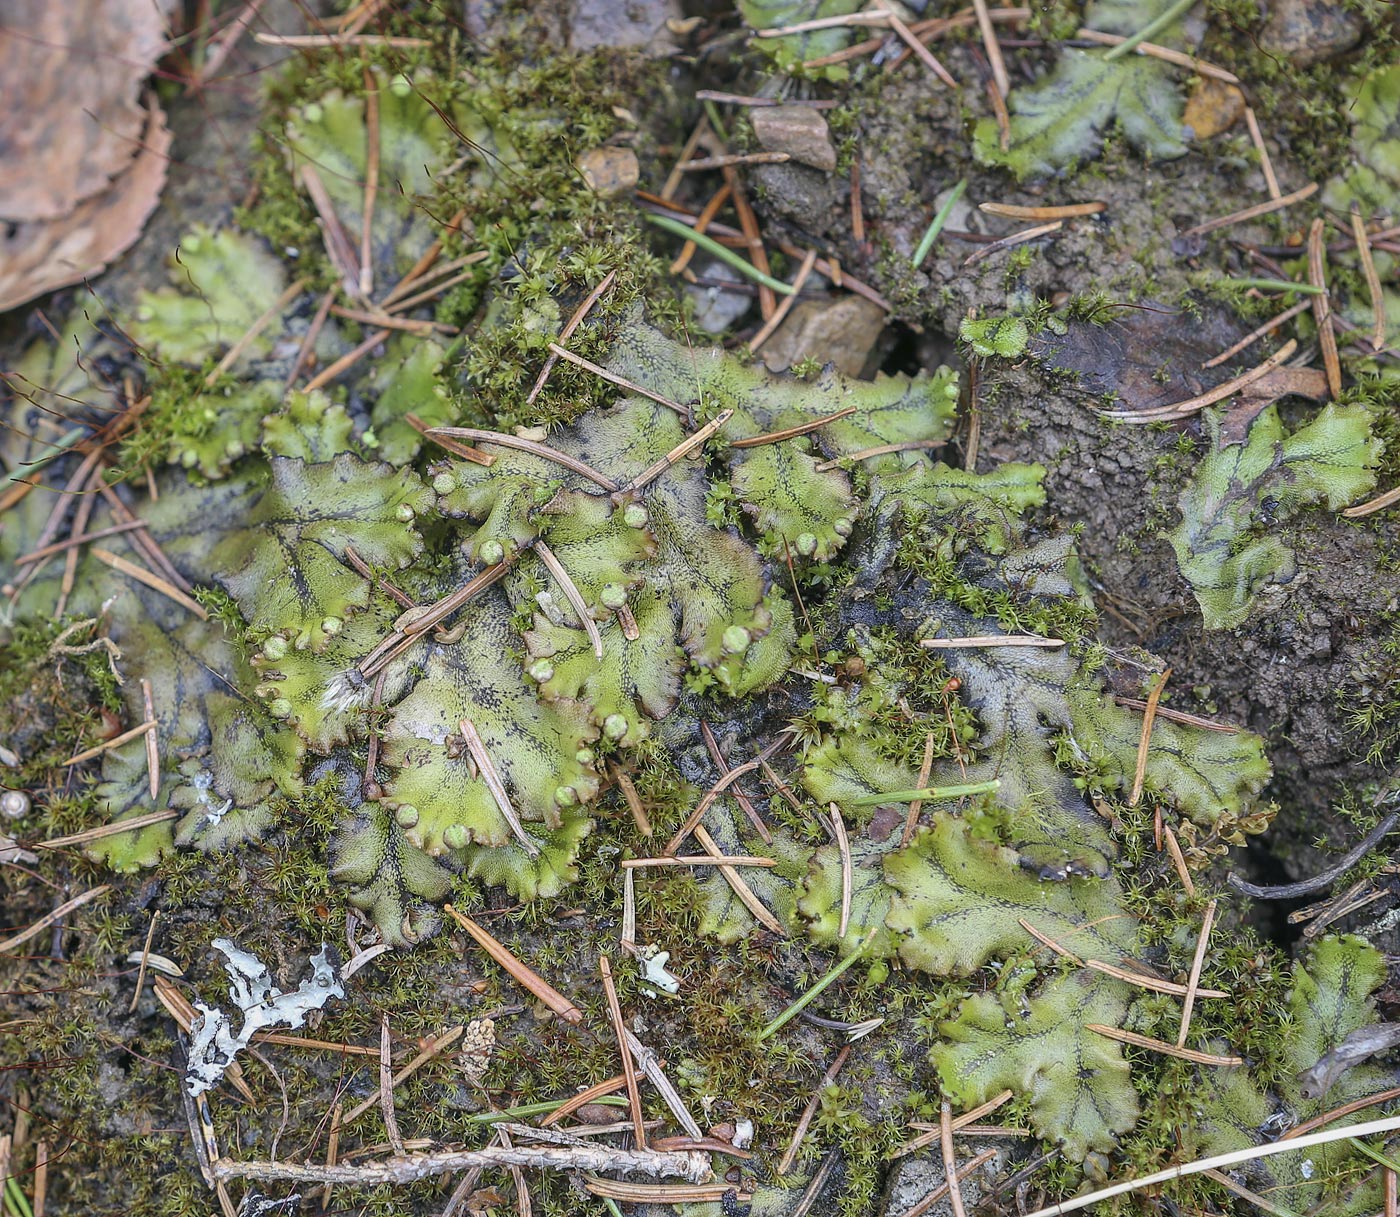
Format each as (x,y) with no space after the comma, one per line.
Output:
(842,331)
(800,131)
(14,804)
(1309,31)
(1214,106)
(610,172)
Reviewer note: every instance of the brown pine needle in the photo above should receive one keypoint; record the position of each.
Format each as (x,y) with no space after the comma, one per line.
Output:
(313,41)
(82,538)
(522,975)
(333,235)
(1065,211)
(733,158)
(48,919)
(386,1088)
(1257,138)
(993,47)
(41,1178)
(930,61)
(960,1123)
(1141,979)
(1146,1041)
(911,821)
(332,1151)
(1337,1113)
(634,805)
(825,23)
(435,1046)
(487,768)
(567,332)
(1392,1198)
(748,225)
(739,886)
(449,445)
(1377,504)
(805,1121)
(1183,872)
(583,1098)
(346,361)
(115,742)
(178,1006)
(1254,335)
(1180,716)
(1145,740)
(1322,308)
(135,824)
(362,568)
(719,788)
(145,959)
(1166,54)
(572,595)
(679,452)
(366,281)
(423,329)
(843,846)
(722,764)
(1373,280)
(990,640)
(1191,405)
(152,742)
(1259,1202)
(441,285)
(629,1070)
(702,222)
(308,341)
(950,1161)
(1016,238)
(621,381)
(660,1193)
(785,307)
(1251,213)
(151,580)
(1207,920)
(275,310)
(914,445)
(943,1189)
(501,439)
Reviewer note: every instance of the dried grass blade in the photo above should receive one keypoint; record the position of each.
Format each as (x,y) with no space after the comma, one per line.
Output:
(501,439)
(436,1046)
(1378,503)
(634,804)
(1265,163)
(1166,54)
(1373,280)
(263,321)
(346,361)
(930,60)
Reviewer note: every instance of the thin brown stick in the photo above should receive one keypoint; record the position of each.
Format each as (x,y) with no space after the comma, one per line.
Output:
(679,452)
(1337,1113)
(692,142)
(41,1178)
(1180,716)
(1373,280)
(567,332)
(416,622)
(719,788)
(386,1087)
(843,847)
(1264,1205)
(272,312)
(943,1189)
(424,329)
(70,564)
(150,579)
(857,205)
(426,269)
(1322,308)
(658,1193)
(48,919)
(621,381)
(523,975)
(1392,1202)
(805,1120)
(993,47)
(1254,335)
(346,361)
(583,1098)
(1145,739)
(142,539)
(486,767)
(1257,138)
(402,306)
(702,222)
(1378,503)
(313,331)
(371,95)
(336,240)
(449,445)
(1064,211)
(734,158)
(1016,238)
(1251,213)
(135,824)
(1166,54)
(1183,872)
(786,304)
(1191,405)
(435,1046)
(152,741)
(115,742)
(930,61)
(722,764)
(839,21)
(776,437)
(740,888)
(363,569)
(950,1161)
(629,1069)
(145,959)
(544,451)
(748,225)
(332,1150)
(634,805)
(80,538)
(1194,980)
(572,595)
(865,454)
(911,820)
(1146,1041)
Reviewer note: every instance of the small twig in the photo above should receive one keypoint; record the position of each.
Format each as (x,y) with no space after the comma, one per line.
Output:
(9,944)
(857,206)
(758,255)
(612,377)
(805,1120)
(646,1058)
(1322,308)
(1291,891)
(679,452)
(1141,979)
(740,888)
(115,742)
(1267,165)
(1251,213)
(1338,1113)
(489,774)
(583,1098)
(722,764)
(840,21)
(720,787)
(1192,981)
(424,329)
(993,47)
(990,640)
(702,222)
(964,1121)
(776,437)
(1146,1041)
(442,285)
(1016,238)
(629,1072)
(1190,405)
(567,332)
(363,569)
(386,1087)
(313,331)
(1149,714)
(523,975)
(80,538)
(1159,22)
(150,579)
(332,1149)
(950,1161)
(944,1188)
